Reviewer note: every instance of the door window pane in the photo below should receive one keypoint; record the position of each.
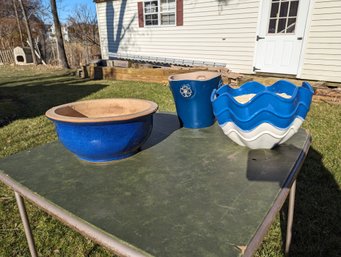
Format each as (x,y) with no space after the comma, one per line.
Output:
(274,10)
(284,9)
(281,26)
(291,25)
(283,16)
(272,26)
(293,8)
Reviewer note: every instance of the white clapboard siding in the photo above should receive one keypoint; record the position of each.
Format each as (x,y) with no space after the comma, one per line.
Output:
(212,31)
(322,54)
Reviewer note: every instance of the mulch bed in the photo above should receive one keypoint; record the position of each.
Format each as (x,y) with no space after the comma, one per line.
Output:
(327,94)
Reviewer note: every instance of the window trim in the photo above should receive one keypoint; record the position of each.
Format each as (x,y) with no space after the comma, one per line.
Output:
(159,15)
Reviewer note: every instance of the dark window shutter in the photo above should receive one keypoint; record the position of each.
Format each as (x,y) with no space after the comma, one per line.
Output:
(140,14)
(179,13)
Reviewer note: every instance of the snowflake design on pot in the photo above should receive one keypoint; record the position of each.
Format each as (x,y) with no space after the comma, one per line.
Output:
(186,91)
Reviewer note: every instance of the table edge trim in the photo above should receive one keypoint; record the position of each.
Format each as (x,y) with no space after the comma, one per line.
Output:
(81,226)
(258,237)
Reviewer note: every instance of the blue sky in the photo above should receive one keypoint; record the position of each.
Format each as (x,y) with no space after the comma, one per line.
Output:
(65,7)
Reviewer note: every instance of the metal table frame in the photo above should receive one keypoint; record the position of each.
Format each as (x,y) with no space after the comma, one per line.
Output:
(104,239)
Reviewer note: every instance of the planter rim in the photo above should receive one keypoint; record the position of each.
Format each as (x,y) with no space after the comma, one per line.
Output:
(194,76)
(141,112)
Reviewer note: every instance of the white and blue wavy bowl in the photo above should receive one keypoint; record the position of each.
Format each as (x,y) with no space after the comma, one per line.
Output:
(261,117)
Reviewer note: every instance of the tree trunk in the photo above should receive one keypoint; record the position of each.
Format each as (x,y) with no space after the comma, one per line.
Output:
(18,22)
(59,37)
(29,34)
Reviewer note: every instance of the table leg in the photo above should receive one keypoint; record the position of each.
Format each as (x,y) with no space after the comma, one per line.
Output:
(290,218)
(25,221)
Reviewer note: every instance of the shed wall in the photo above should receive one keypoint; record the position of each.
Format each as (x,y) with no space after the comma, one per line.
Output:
(322,53)
(221,31)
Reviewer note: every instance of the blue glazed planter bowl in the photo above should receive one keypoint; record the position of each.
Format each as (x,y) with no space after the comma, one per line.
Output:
(191,93)
(103,130)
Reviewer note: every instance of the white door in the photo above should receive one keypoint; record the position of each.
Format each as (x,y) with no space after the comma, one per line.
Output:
(279,42)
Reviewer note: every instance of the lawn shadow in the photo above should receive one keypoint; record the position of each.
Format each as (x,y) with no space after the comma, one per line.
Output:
(317,216)
(32,99)
(28,80)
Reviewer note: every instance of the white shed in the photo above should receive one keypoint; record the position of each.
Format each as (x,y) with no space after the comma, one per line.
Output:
(297,37)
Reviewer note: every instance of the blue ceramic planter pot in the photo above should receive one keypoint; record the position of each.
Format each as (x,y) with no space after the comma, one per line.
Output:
(103,130)
(191,92)
(265,106)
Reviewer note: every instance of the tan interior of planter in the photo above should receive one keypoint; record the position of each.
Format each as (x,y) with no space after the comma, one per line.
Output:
(247,97)
(197,75)
(102,110)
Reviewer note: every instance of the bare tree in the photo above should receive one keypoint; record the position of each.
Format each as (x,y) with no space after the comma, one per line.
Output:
(18,22)
(29,33)
(59,37)
(83,26)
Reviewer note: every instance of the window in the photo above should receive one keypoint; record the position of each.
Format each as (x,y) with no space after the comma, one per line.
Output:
(283,16)
(159,12)
(151,12)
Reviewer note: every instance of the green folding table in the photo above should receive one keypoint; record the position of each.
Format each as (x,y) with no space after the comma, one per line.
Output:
(189,192)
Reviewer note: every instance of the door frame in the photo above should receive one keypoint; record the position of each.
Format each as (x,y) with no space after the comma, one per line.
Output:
(305,35)
(305,38)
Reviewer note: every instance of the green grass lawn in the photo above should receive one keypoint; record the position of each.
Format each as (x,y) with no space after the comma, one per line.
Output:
(26,93)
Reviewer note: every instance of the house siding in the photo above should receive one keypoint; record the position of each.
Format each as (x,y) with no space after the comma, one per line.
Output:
(322,53)
(213,31)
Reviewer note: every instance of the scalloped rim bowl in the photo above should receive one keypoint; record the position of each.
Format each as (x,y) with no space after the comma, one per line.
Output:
(259,116)
(267,104)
